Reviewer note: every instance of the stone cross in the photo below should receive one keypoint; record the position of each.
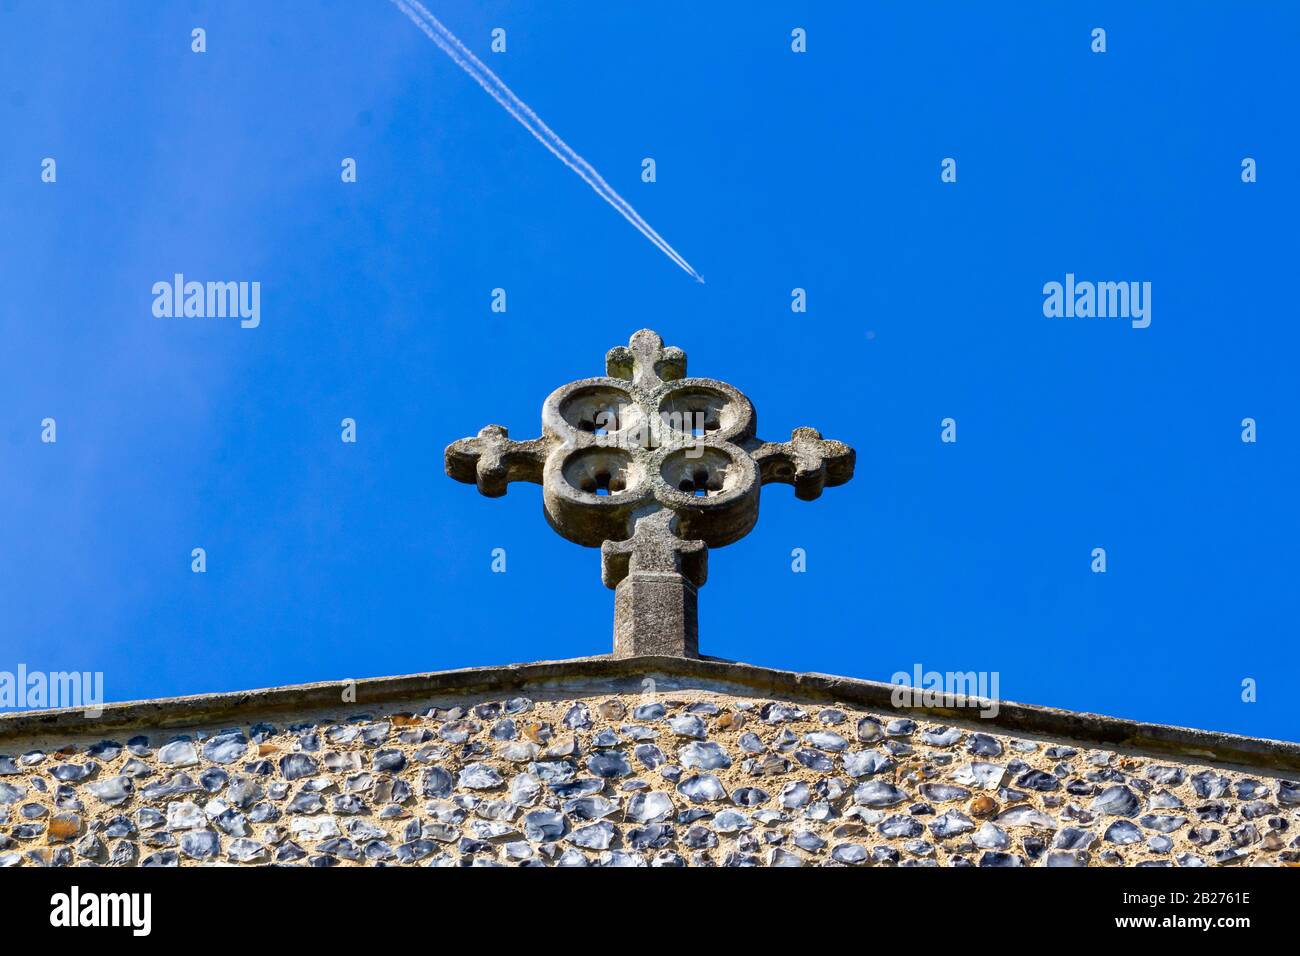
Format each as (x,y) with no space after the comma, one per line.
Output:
(653,468)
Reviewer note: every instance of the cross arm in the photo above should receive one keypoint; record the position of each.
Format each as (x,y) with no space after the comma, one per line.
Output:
(645,360)
(492,460)
(807,461)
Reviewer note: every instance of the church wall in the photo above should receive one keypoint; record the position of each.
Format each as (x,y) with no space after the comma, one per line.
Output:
(626,769)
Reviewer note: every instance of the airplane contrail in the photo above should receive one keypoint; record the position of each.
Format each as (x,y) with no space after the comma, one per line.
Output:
(517,108)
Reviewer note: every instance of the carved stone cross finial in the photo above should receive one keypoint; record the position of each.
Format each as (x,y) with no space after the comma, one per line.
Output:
(653,468)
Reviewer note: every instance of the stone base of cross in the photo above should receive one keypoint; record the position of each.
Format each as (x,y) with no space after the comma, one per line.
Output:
(654,468)
(656,577)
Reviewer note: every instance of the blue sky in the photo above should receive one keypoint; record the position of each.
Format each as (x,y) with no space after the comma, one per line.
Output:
(775,170)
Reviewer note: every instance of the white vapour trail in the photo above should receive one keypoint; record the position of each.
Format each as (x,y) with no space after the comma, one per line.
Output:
(467,61)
